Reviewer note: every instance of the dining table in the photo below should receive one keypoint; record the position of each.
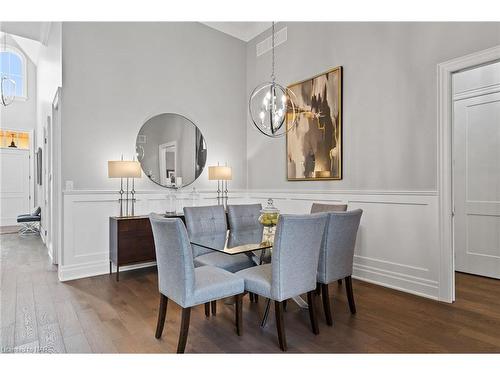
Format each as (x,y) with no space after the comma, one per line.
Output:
(254,243)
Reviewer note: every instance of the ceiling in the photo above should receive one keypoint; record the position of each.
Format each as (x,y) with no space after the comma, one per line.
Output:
(38,31)
(241,30)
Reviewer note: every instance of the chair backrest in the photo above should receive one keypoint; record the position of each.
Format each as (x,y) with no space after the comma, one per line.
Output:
(321,207)
(244,216)
(337,249)
(295,254)
(174,258)
(37,211)
(206,219)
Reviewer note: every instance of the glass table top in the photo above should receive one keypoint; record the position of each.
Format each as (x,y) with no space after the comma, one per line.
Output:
(235,242)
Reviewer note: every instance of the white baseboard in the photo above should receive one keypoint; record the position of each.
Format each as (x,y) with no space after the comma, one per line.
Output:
(67,273)
(404,283)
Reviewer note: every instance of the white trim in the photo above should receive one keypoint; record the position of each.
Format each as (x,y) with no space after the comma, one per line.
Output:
(444,170)
(430,193)
(57,202)
(90,269)
(156,191)
(345,191)
(45,33)
(476,92)
(378,279)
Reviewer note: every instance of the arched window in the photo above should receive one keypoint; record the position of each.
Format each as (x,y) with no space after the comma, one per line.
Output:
(13,66)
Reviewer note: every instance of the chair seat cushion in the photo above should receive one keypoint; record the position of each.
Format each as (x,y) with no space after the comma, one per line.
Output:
(231,263)
(27,218)
(257,279)
(213,283)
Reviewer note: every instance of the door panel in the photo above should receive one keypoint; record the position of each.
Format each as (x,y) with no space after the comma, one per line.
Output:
(477,184)
(14,185)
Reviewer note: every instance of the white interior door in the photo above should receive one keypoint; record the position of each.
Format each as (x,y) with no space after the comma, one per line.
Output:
(167,159)
(14,185)
(476,172)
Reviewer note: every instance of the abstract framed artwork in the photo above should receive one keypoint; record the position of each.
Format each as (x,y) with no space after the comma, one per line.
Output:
(314,146)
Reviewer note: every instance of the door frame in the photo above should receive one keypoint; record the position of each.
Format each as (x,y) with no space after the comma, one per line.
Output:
(445,71)
(48,185)
(57,205)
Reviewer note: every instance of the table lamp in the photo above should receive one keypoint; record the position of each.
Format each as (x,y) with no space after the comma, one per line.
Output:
(221,174)
(125,169)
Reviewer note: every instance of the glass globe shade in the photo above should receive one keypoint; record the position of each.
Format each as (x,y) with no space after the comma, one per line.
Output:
(272,109)
(8,89)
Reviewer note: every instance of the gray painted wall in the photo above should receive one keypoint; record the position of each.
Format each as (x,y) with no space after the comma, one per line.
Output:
(117,75)
(389,97)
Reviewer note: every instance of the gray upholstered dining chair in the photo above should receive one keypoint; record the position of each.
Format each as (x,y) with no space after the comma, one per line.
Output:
(336,256)
(325,207)
(210,220)
(322,207)
(293,269)
(186,285)
(244,216)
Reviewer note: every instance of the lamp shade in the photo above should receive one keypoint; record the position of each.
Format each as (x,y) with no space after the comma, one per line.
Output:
(124,169)
(219,172)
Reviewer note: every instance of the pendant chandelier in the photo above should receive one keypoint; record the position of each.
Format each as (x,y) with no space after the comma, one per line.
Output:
(7,85)
(271,105)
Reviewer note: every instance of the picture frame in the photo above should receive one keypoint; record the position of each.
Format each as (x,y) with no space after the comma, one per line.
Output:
(314,147)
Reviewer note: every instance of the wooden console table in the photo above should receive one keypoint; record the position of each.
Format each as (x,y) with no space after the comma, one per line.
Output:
(131,241)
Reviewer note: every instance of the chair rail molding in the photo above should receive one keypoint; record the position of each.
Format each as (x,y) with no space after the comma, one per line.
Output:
(445,71)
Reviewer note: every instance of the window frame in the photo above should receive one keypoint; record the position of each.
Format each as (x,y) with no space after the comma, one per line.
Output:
(24,70)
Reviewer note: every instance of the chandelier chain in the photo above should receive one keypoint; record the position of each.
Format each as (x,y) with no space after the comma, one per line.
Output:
(273,77)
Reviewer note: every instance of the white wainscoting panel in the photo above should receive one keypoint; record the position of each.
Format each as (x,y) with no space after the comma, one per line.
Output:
(86,226)
(397,243)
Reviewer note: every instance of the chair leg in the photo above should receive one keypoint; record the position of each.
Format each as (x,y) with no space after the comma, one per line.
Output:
(318,289)
(238,314)
(214,307)
(266,313)
(350,295)
(339,281)
(280,324)
(311,301)
(326,304)
(162,313)
(183,334)
(207,309)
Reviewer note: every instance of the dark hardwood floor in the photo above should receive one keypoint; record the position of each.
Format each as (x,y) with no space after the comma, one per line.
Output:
(101,315)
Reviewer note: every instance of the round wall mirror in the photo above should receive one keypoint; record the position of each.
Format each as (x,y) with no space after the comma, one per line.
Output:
(171,150)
